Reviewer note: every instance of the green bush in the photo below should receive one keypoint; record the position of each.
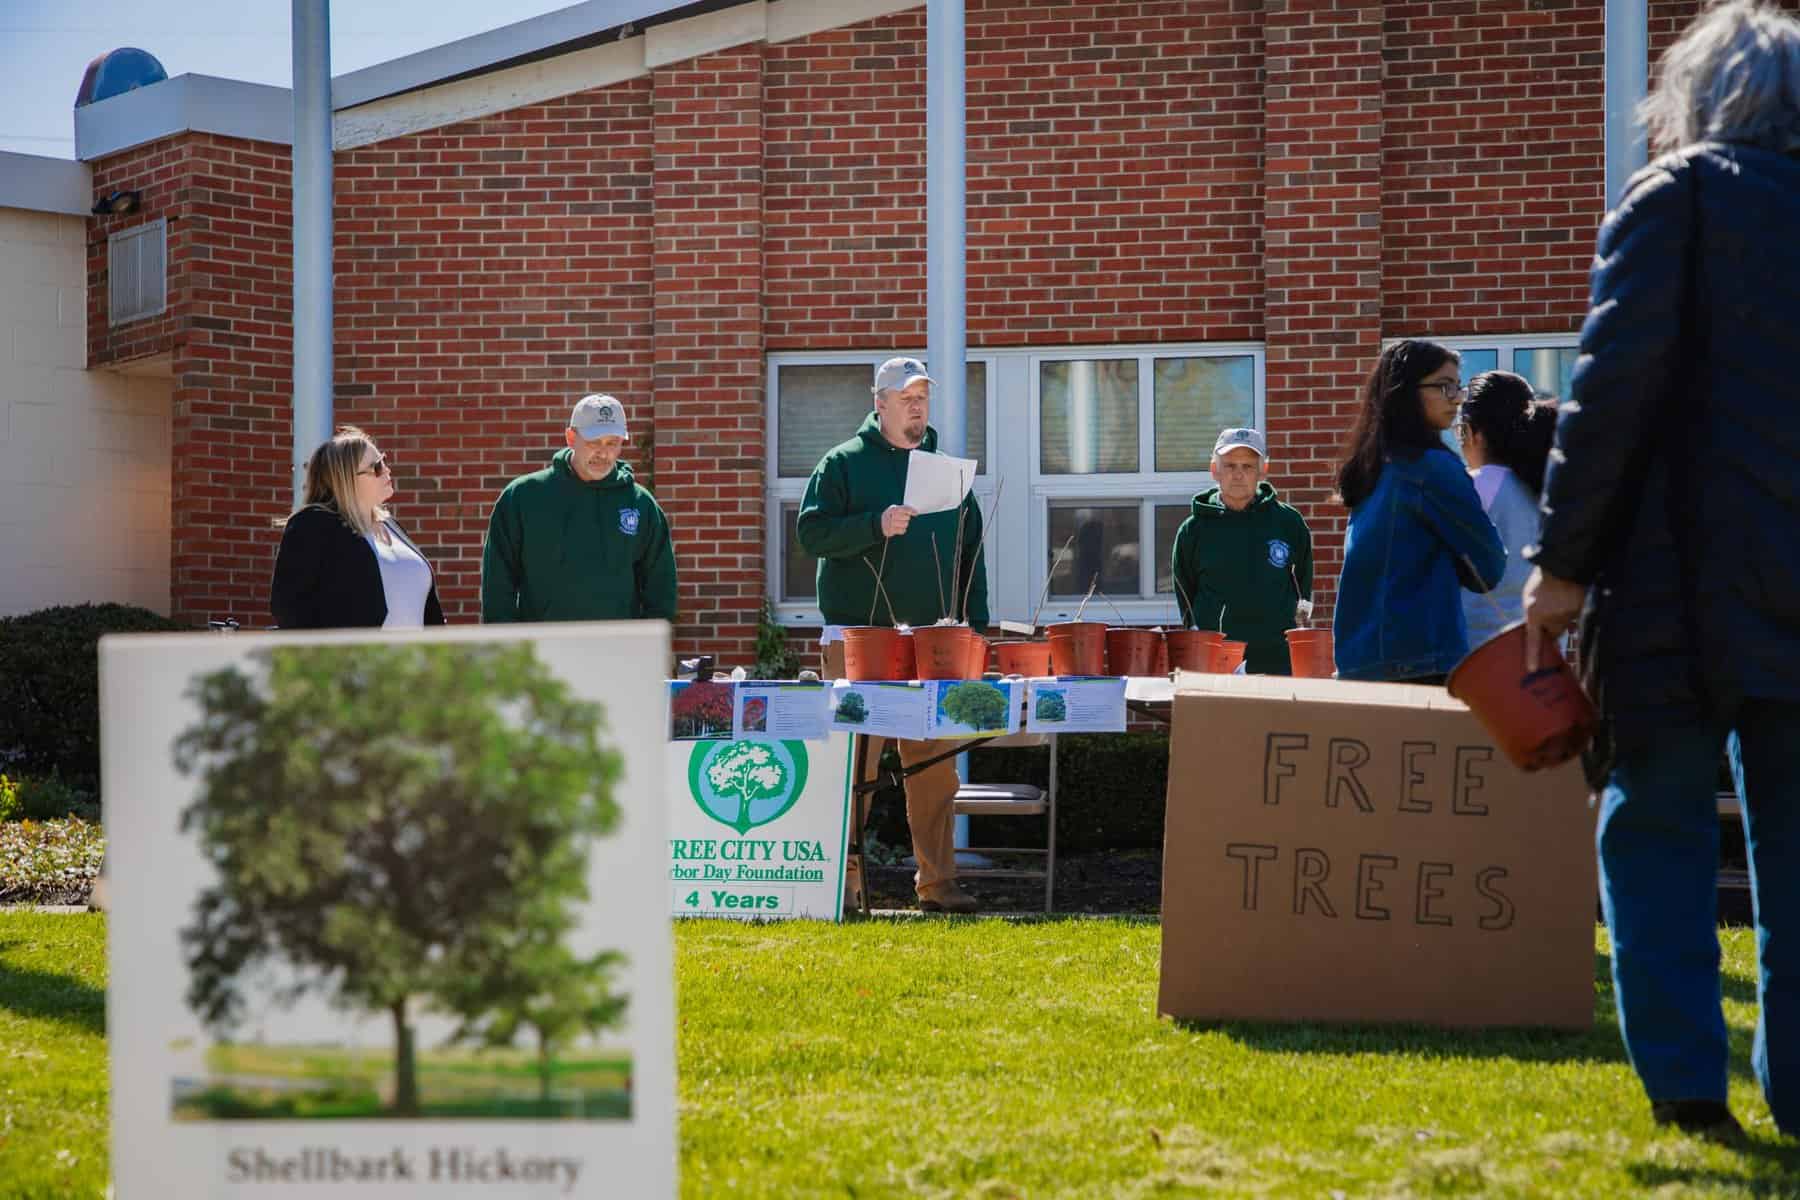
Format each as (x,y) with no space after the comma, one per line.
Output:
(50,686)
(10,807)
(50,798)
(1110,791)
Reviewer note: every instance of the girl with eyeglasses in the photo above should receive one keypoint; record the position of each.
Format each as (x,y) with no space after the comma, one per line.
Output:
(343,562)
(1417,536)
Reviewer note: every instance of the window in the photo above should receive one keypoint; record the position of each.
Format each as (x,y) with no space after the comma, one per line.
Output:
(1108,448)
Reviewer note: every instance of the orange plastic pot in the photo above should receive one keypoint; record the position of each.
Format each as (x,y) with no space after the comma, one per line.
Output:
(942,651)
(870,652)
(1192,649)
(1227,655)
(906,663)
(1130,651)
(978,656)
(1539,718)
(1162,654)
(1310,652)
(1078,648)
(1031,659)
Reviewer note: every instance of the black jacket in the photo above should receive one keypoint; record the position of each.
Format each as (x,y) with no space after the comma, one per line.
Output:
(327,577)
(1675,491)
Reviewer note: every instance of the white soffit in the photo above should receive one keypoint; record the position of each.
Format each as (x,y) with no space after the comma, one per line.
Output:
(36,183)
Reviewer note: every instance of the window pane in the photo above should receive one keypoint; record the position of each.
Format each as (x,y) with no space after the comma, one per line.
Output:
(1088,414)
(1168,521)
(1548,370)
(976,391)
(1106,539)
(799,578)
(1194,399)
(1474,362)
(818,406)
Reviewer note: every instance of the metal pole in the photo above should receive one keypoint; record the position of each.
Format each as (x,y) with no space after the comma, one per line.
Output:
(946,330)
(946,241)
(1627,75)
(312,231)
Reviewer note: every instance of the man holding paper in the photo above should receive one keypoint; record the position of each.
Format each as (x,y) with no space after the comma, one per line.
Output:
(884,561)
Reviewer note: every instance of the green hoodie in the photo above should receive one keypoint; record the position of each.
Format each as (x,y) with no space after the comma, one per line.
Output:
(1254,564)
(840,525)
(562,549)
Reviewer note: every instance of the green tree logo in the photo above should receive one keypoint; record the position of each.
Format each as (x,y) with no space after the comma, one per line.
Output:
(746,784)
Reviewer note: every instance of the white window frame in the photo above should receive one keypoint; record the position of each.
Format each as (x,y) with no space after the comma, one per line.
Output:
(1504,347)
(1016,550)
(780,490)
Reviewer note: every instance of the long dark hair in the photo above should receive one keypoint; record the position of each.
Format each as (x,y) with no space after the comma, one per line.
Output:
(1392,419)
(1516,428)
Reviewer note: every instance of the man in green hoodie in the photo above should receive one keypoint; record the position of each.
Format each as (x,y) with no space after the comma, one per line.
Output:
(1243,557)
(579,540)
(854,521)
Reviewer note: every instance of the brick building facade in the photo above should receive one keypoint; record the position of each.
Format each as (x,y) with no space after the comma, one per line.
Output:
(1174,208)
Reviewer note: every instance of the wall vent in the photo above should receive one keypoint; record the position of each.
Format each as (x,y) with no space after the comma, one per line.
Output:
(137,272)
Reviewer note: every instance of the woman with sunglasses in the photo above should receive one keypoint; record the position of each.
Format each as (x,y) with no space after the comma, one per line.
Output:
(1418,536)
(343,562)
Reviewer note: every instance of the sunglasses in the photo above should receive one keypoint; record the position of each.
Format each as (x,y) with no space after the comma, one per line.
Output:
(380,468)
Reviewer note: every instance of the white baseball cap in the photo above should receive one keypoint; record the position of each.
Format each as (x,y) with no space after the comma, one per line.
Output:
(598,416)
(1241,439)
(897,373)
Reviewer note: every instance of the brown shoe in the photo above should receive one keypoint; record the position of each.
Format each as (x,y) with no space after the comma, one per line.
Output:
(951,900)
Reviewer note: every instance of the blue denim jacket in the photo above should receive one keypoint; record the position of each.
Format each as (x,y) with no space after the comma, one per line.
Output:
(1414,543)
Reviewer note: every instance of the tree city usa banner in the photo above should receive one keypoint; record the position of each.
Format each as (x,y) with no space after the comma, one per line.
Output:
(758,828)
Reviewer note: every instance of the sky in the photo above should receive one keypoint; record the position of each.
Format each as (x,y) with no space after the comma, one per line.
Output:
(45,45)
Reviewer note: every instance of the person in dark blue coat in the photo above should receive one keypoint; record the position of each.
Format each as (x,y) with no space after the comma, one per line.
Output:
(1672,516)
(1418,536)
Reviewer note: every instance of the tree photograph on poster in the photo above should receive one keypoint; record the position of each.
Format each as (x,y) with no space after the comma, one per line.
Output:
(399,832)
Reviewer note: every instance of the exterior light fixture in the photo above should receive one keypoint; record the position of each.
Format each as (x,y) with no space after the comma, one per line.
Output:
(118,204)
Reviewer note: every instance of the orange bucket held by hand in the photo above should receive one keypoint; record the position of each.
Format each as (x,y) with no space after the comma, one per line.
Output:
(1539,718)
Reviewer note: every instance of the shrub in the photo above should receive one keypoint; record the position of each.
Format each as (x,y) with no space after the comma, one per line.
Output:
(1110,791)
(50,798)
(9,799)
(50,686)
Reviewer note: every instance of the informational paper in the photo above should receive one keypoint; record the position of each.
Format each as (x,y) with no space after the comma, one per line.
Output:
(780,711)
(367,1022)
(757,829)
(880,709)
(700,709)
(936,482)
(1075,705)
(973,708)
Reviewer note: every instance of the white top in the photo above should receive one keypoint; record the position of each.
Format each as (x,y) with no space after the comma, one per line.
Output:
(1513,509)
(405,578)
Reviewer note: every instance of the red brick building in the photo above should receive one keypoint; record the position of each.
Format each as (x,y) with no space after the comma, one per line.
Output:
(1181,214)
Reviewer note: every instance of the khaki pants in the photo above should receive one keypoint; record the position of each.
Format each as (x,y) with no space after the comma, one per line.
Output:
(930,802)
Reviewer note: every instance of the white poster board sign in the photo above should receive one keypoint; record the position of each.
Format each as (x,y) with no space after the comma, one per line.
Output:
(1075,705)
(357,879)
(757,829)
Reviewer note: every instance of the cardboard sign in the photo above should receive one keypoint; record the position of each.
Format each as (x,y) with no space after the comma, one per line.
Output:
(358,881)
(757,829)
(1362,852)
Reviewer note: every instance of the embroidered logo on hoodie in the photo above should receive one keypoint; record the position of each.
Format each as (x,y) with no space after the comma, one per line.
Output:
(628,521)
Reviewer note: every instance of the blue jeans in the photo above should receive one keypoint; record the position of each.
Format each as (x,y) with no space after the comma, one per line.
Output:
(1659,847)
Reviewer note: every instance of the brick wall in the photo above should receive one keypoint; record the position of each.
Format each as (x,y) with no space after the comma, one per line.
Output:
(710,414)
(1114,177)
(160,172)
(491,273)
(1322,188)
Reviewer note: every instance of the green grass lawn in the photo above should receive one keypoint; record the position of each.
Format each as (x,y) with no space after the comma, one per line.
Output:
(993,1059)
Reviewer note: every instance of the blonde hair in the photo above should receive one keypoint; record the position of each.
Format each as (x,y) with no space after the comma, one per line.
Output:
(331,479)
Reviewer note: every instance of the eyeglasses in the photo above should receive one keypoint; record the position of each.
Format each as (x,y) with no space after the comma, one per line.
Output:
(1451,388)
(379,469)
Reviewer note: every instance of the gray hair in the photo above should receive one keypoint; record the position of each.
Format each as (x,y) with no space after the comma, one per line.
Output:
(1734,76)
